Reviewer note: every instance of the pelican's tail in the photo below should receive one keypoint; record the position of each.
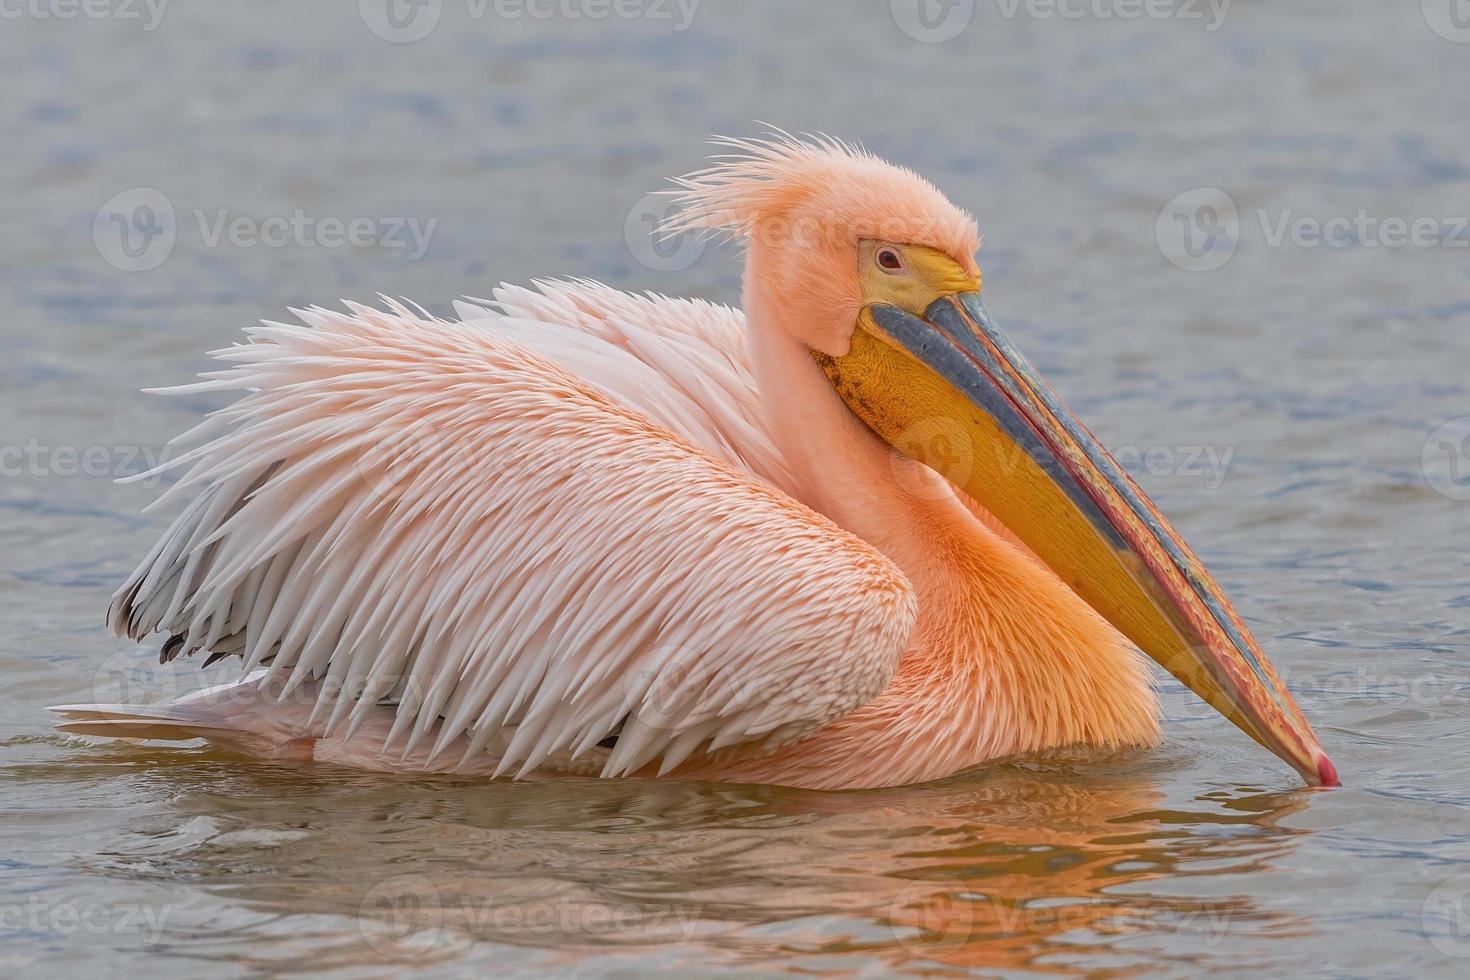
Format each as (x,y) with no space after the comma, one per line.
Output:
(251,717)
(127,721)
(237,715)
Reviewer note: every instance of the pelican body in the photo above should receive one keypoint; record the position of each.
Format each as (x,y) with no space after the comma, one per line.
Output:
(845,538)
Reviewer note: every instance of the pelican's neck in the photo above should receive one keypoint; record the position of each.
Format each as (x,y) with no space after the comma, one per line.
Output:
(1004,657)
(840,467)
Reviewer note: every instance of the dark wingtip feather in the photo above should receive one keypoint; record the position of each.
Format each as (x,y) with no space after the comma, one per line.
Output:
(215,656)
(171,648)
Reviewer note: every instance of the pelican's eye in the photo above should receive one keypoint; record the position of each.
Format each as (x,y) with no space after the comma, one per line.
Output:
(888,259)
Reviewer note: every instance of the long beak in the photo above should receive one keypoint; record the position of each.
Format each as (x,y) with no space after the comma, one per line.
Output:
(1038,470)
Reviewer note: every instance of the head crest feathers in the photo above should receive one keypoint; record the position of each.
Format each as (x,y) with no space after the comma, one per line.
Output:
(806,189)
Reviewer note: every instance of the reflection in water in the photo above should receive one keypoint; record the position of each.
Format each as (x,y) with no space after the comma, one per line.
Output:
(1058,881)
(1053,864)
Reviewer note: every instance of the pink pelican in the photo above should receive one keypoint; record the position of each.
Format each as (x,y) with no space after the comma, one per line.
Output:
(845,538)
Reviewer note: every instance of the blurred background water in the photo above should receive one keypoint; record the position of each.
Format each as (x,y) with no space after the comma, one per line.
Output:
(1150,180)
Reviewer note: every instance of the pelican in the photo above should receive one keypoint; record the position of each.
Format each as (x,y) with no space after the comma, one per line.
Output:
(845,538)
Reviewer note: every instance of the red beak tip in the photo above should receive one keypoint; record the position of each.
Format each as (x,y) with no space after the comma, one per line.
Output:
(1327,772)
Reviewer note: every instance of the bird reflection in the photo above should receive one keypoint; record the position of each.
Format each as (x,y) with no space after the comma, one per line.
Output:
(1062,864)
(1060,876)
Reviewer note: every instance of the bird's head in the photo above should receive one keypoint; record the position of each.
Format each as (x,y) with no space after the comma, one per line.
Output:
(873,270)
(829,230)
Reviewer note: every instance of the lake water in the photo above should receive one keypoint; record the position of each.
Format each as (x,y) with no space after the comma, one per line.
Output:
(1284,407)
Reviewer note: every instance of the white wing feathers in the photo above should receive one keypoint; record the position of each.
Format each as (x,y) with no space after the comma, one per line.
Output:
(480,523)
(680,362)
